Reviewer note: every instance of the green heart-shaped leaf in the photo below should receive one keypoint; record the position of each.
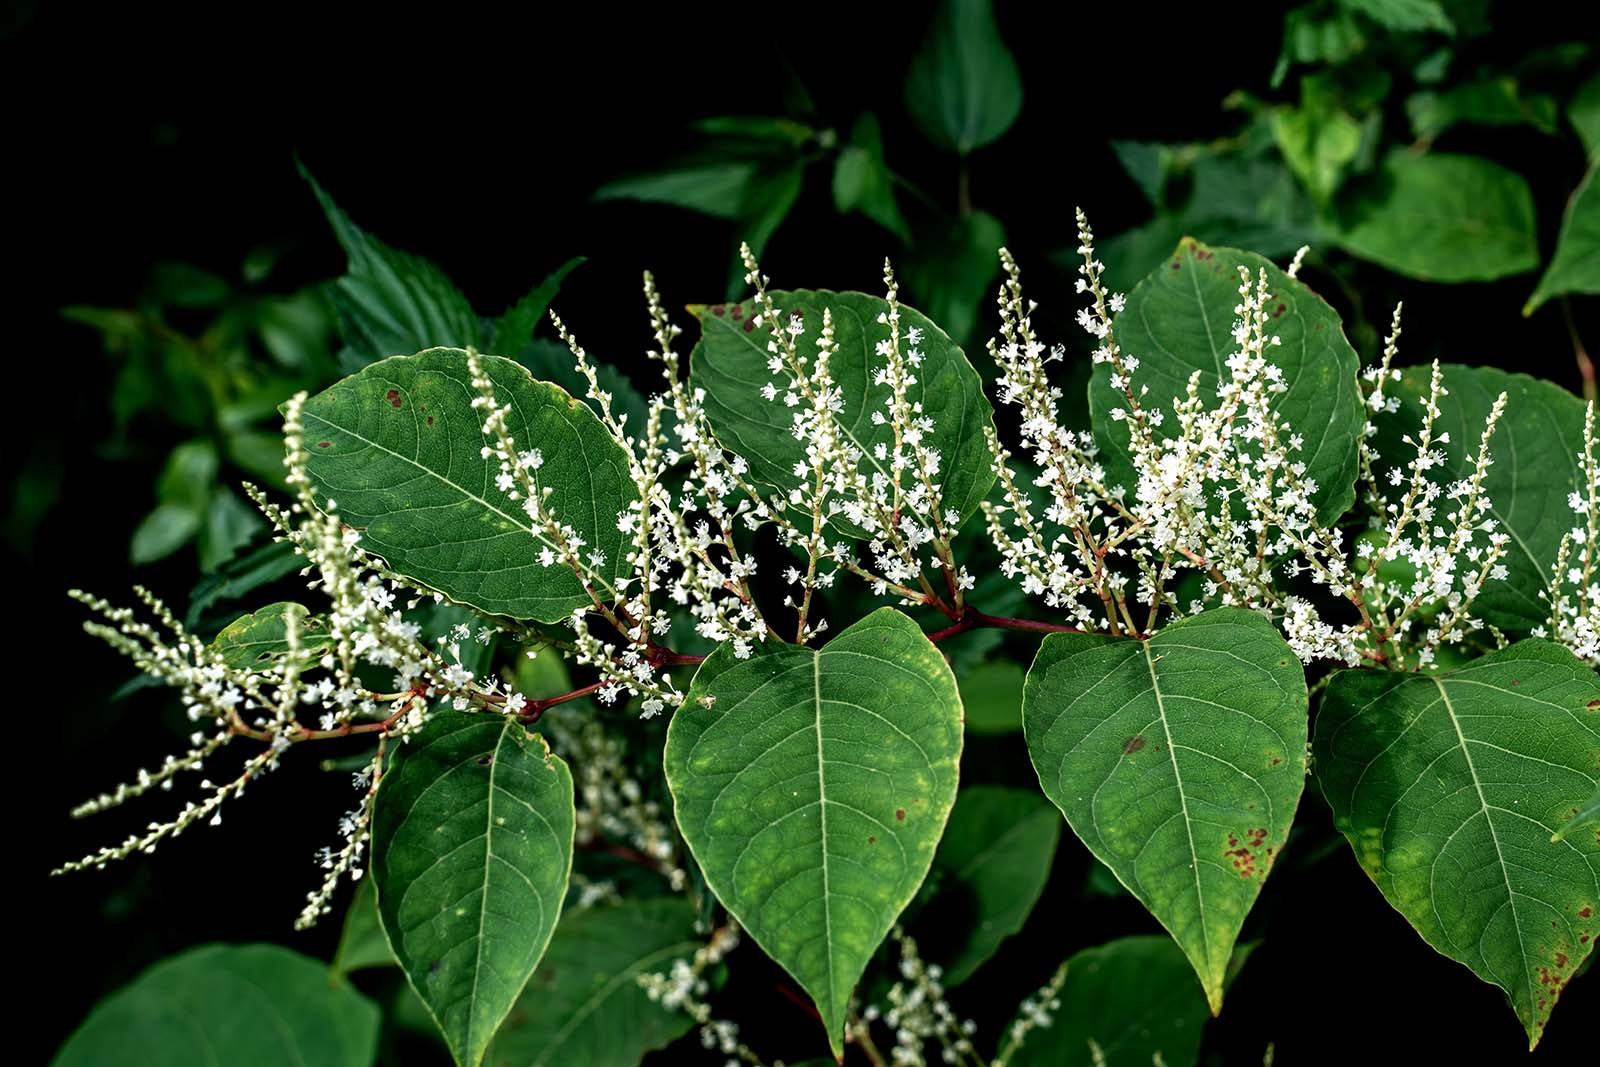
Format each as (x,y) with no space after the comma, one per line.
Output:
(813,789)
(1179,761)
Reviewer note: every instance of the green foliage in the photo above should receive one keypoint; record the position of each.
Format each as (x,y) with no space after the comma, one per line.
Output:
(991,867)
(1135,998)
(813,788)
(1575,267)
(584,1005)
(730,364)
(1535,449)
(471,851)
(963,88)
(1179,320)
(1442,218)
(262,636)
(1179,762)
(396,447)
(253,1004)
(1449,787)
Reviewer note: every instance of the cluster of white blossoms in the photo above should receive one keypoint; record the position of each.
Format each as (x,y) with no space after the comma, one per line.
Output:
(1574,592)
(1221,490)
(308,690)
(1036,1012)
(918,1014)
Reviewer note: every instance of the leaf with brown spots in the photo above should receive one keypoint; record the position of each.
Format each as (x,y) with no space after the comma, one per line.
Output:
(1191,821)
(1450,786)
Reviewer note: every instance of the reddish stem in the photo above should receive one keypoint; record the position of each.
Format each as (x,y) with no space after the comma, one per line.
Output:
(973,619)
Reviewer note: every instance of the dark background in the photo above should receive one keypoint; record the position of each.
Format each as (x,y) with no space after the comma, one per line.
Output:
(134,136)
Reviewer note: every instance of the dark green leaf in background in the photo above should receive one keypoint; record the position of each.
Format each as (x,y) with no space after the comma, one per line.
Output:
(1134,998)
(992,865)
(584,1005)
(963,88)
(1575,267)
(239,1005)
(1442,218)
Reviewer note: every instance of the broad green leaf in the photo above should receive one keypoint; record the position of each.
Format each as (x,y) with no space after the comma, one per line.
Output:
(1583,111)
(813,789)
(1135,998)
(257,640)
(397,447)
(952,273)
(229,524)
(1442,218)
(1486,102)
(963,88)
(189,475)
(241,575)
(1150,165)
(391,302)
(1575,267)
(730,364)
(862,182)
(1404,16)
(991,867)
(362,942)
(551,361)
(243,1005)
(472,837)
(1586,814)
(584,1005)
(514,329)
(715,189)
(1448,788)
(163,531)
(1318,140)
(1179,761)
(1180,319)
(1535,449)
(991,694)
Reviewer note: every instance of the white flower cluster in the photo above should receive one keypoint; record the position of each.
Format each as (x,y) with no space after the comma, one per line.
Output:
(1036,1012)
(919,1013)
(264,702)
(1222,490)
(1574,592)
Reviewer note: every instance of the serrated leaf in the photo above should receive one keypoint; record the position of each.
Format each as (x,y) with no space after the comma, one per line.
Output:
(584,1005)
(1180,320)
(472,834)
(397,447)
(514,329)
(963,88)
(992,864)
(813,791)
(730,364)
(1575,266)
(391,302)
(260,639)
(252,1004)
(1179,762)
(1449,787)
(1442,218)
(1135,998)
(1534,448)
(715,189)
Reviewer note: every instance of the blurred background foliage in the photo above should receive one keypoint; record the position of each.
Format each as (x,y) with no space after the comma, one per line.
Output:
(192,274)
